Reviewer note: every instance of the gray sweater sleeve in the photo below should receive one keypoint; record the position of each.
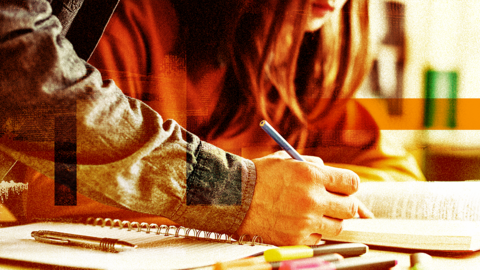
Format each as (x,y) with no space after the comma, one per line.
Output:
(126,155)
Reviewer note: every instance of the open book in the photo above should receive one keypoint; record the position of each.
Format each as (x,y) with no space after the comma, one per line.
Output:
(443,216)
(159,247)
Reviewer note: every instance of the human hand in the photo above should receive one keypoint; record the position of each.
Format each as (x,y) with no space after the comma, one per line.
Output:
(363,211)
(297,202)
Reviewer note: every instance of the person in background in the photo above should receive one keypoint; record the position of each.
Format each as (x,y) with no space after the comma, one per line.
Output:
(217,68)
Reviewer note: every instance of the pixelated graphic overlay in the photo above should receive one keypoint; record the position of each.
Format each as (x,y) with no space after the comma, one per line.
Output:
(6,187)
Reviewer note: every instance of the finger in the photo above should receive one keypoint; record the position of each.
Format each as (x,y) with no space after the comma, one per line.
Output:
(313,159)
(340,181)
(363,211)
(282,154)
(313,239)
(339,206)
(330,226)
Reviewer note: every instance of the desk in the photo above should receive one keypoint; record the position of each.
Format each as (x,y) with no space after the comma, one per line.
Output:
(468,261)
(451,261)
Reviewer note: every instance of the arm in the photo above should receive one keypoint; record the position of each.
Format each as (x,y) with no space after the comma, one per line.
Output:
(127,155)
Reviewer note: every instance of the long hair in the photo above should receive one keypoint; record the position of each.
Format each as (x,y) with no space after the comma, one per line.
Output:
(275,70)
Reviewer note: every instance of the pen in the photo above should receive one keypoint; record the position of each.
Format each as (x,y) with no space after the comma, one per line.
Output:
(357,263)
(363,263)
(298,252)
(307,263)
(260,263)
(104,244)
(280,140)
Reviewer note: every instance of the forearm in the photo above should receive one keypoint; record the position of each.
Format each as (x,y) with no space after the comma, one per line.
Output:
(126,155)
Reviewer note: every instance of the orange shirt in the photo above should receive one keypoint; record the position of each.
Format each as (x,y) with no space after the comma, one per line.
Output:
(135,51)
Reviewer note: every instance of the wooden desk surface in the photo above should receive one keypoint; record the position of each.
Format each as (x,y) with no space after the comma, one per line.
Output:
(444,261)
(441,261)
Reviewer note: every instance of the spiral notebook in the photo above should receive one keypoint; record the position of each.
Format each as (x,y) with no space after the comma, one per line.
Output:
(159,246)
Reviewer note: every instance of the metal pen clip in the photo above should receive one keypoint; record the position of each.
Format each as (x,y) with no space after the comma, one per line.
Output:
(39,236)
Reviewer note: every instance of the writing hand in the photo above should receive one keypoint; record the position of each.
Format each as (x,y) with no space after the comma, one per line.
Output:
(297,202)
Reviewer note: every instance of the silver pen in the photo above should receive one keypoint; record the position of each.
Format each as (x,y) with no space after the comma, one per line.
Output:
(105,244)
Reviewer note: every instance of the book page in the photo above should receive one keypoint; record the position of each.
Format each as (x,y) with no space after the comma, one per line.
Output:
(422,200)
(442,216)
(441,235)
(153,252)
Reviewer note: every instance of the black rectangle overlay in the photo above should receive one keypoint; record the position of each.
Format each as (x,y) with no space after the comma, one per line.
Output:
(65,160)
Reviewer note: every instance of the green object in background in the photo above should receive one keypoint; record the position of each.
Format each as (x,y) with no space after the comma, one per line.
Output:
(440,85)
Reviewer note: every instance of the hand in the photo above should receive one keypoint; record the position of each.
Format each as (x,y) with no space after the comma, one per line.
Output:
(297,202)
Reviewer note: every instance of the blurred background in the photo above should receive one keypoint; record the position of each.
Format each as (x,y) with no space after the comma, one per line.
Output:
(424,89)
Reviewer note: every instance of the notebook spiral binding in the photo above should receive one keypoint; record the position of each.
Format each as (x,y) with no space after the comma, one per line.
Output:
(166,230)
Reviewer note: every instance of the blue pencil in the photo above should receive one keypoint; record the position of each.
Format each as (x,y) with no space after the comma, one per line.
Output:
(280,140)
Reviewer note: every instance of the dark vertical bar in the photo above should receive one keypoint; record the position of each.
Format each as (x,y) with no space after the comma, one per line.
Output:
(429,110)
(65,160)
(452,96)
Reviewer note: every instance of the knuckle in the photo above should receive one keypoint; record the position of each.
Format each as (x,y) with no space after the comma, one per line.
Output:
(354,182)
(317,200)
(323,177)
(333,179)
(351,181)
(316,160)
(320,161)
(338,229)
(353,209)
(298,237)
(322,227)
(295,240)
(311,202)
(309,173)
(281,154)
(305,225)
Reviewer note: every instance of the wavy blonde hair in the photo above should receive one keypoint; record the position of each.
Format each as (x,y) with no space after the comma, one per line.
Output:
(290,78)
